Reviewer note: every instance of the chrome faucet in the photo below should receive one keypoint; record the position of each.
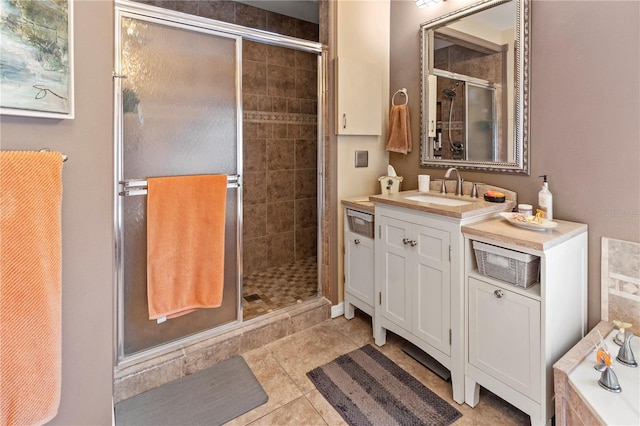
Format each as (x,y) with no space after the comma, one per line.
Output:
(459,180)
(608,378)
(625,355)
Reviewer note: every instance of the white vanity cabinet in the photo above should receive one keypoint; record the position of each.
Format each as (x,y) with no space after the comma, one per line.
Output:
(419,284)
(415,270)
(515,334)
(358,270)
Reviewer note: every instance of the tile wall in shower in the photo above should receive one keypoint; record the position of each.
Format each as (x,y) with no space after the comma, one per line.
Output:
(280,155)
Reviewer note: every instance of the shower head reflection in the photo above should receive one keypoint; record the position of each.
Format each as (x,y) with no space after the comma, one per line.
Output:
(451,91)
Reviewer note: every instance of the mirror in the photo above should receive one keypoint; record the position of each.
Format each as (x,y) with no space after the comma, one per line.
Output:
(475,88)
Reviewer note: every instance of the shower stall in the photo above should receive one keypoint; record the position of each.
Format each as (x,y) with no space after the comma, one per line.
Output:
(468,127)
(197,96)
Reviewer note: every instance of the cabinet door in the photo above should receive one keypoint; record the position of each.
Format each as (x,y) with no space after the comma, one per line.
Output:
(359,98)
(504,336)
(358,267)
(394,259)
(432,318)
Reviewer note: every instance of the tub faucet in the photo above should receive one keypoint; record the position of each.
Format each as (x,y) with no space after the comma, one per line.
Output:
(608,379)
(458,181)
(625,355)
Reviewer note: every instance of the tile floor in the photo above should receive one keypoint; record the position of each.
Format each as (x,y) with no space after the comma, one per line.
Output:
(279,287)
(281,368)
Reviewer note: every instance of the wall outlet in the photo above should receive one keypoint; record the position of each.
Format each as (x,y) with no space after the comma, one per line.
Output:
(362,158)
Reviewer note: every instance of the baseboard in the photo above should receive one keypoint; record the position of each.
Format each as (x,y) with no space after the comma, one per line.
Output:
(337,310)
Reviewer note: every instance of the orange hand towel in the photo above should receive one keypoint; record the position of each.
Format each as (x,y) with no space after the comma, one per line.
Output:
(399,137)
(30,286)
(185,243)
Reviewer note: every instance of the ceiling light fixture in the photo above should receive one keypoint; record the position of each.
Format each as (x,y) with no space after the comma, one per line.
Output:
(427,3)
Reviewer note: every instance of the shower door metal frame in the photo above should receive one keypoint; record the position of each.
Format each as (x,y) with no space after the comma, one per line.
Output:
(161,19)
(125,8)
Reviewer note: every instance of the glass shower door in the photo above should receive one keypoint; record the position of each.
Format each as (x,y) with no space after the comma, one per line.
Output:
(480,123)
(180,97)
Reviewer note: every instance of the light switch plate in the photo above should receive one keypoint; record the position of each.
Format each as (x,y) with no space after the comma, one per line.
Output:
(362,158)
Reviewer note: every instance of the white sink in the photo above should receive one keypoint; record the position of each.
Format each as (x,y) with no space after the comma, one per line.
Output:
(437,200)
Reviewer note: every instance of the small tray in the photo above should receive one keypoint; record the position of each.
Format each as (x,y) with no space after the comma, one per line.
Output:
(535,226)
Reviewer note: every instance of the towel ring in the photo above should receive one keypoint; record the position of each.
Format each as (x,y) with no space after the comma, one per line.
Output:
(402,91)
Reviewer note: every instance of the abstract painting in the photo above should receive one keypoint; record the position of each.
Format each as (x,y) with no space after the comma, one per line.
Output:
(36,58)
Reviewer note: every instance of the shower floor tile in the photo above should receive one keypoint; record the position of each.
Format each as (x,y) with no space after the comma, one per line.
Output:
(279,287)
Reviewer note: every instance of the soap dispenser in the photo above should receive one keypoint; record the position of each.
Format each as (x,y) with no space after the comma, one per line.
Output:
(545,199)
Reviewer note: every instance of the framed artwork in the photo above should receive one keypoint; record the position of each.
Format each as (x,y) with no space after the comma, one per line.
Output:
(36,58)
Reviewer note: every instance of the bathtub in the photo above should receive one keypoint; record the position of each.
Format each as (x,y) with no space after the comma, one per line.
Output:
(580,400)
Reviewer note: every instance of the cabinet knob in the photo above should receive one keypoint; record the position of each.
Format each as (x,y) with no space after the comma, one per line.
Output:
(498,294)
(356,241)
(344,121)
(412,243)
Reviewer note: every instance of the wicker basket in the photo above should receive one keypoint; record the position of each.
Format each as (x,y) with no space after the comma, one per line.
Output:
(520,269)
(360,223)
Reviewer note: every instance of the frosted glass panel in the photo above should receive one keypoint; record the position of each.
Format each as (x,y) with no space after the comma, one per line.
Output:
(480,125)
(141,333)
(179,118)
(178,101)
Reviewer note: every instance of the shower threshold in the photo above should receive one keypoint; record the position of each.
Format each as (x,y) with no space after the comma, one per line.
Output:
(173,361)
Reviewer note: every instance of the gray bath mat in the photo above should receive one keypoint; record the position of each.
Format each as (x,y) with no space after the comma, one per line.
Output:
(208,397)
(367,388)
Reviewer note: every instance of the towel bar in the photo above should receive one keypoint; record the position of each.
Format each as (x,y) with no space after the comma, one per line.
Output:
(64,156)
(132,187)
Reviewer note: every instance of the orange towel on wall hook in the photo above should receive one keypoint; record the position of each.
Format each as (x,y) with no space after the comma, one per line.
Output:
(30,286)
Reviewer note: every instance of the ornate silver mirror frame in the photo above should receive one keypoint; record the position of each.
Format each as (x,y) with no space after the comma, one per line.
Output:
(518,162)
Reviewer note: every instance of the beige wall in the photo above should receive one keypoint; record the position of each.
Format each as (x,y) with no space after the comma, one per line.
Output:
(87,212)
(585,104)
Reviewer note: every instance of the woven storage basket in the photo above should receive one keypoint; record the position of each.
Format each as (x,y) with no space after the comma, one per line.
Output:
(360,223)
(514,267)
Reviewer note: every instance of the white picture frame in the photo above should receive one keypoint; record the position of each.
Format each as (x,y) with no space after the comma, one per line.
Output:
(36,54)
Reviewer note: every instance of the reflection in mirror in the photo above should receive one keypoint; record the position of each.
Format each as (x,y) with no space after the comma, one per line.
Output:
(475,88)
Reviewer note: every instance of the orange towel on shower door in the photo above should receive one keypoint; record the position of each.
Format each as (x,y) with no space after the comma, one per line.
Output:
(185,243)
(30,286)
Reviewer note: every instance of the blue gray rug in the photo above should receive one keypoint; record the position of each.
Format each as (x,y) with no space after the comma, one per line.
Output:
(367,388)
(208,397)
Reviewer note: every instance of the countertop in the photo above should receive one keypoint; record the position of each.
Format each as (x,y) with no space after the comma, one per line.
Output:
(499,230)
(359,203)
(478,206)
